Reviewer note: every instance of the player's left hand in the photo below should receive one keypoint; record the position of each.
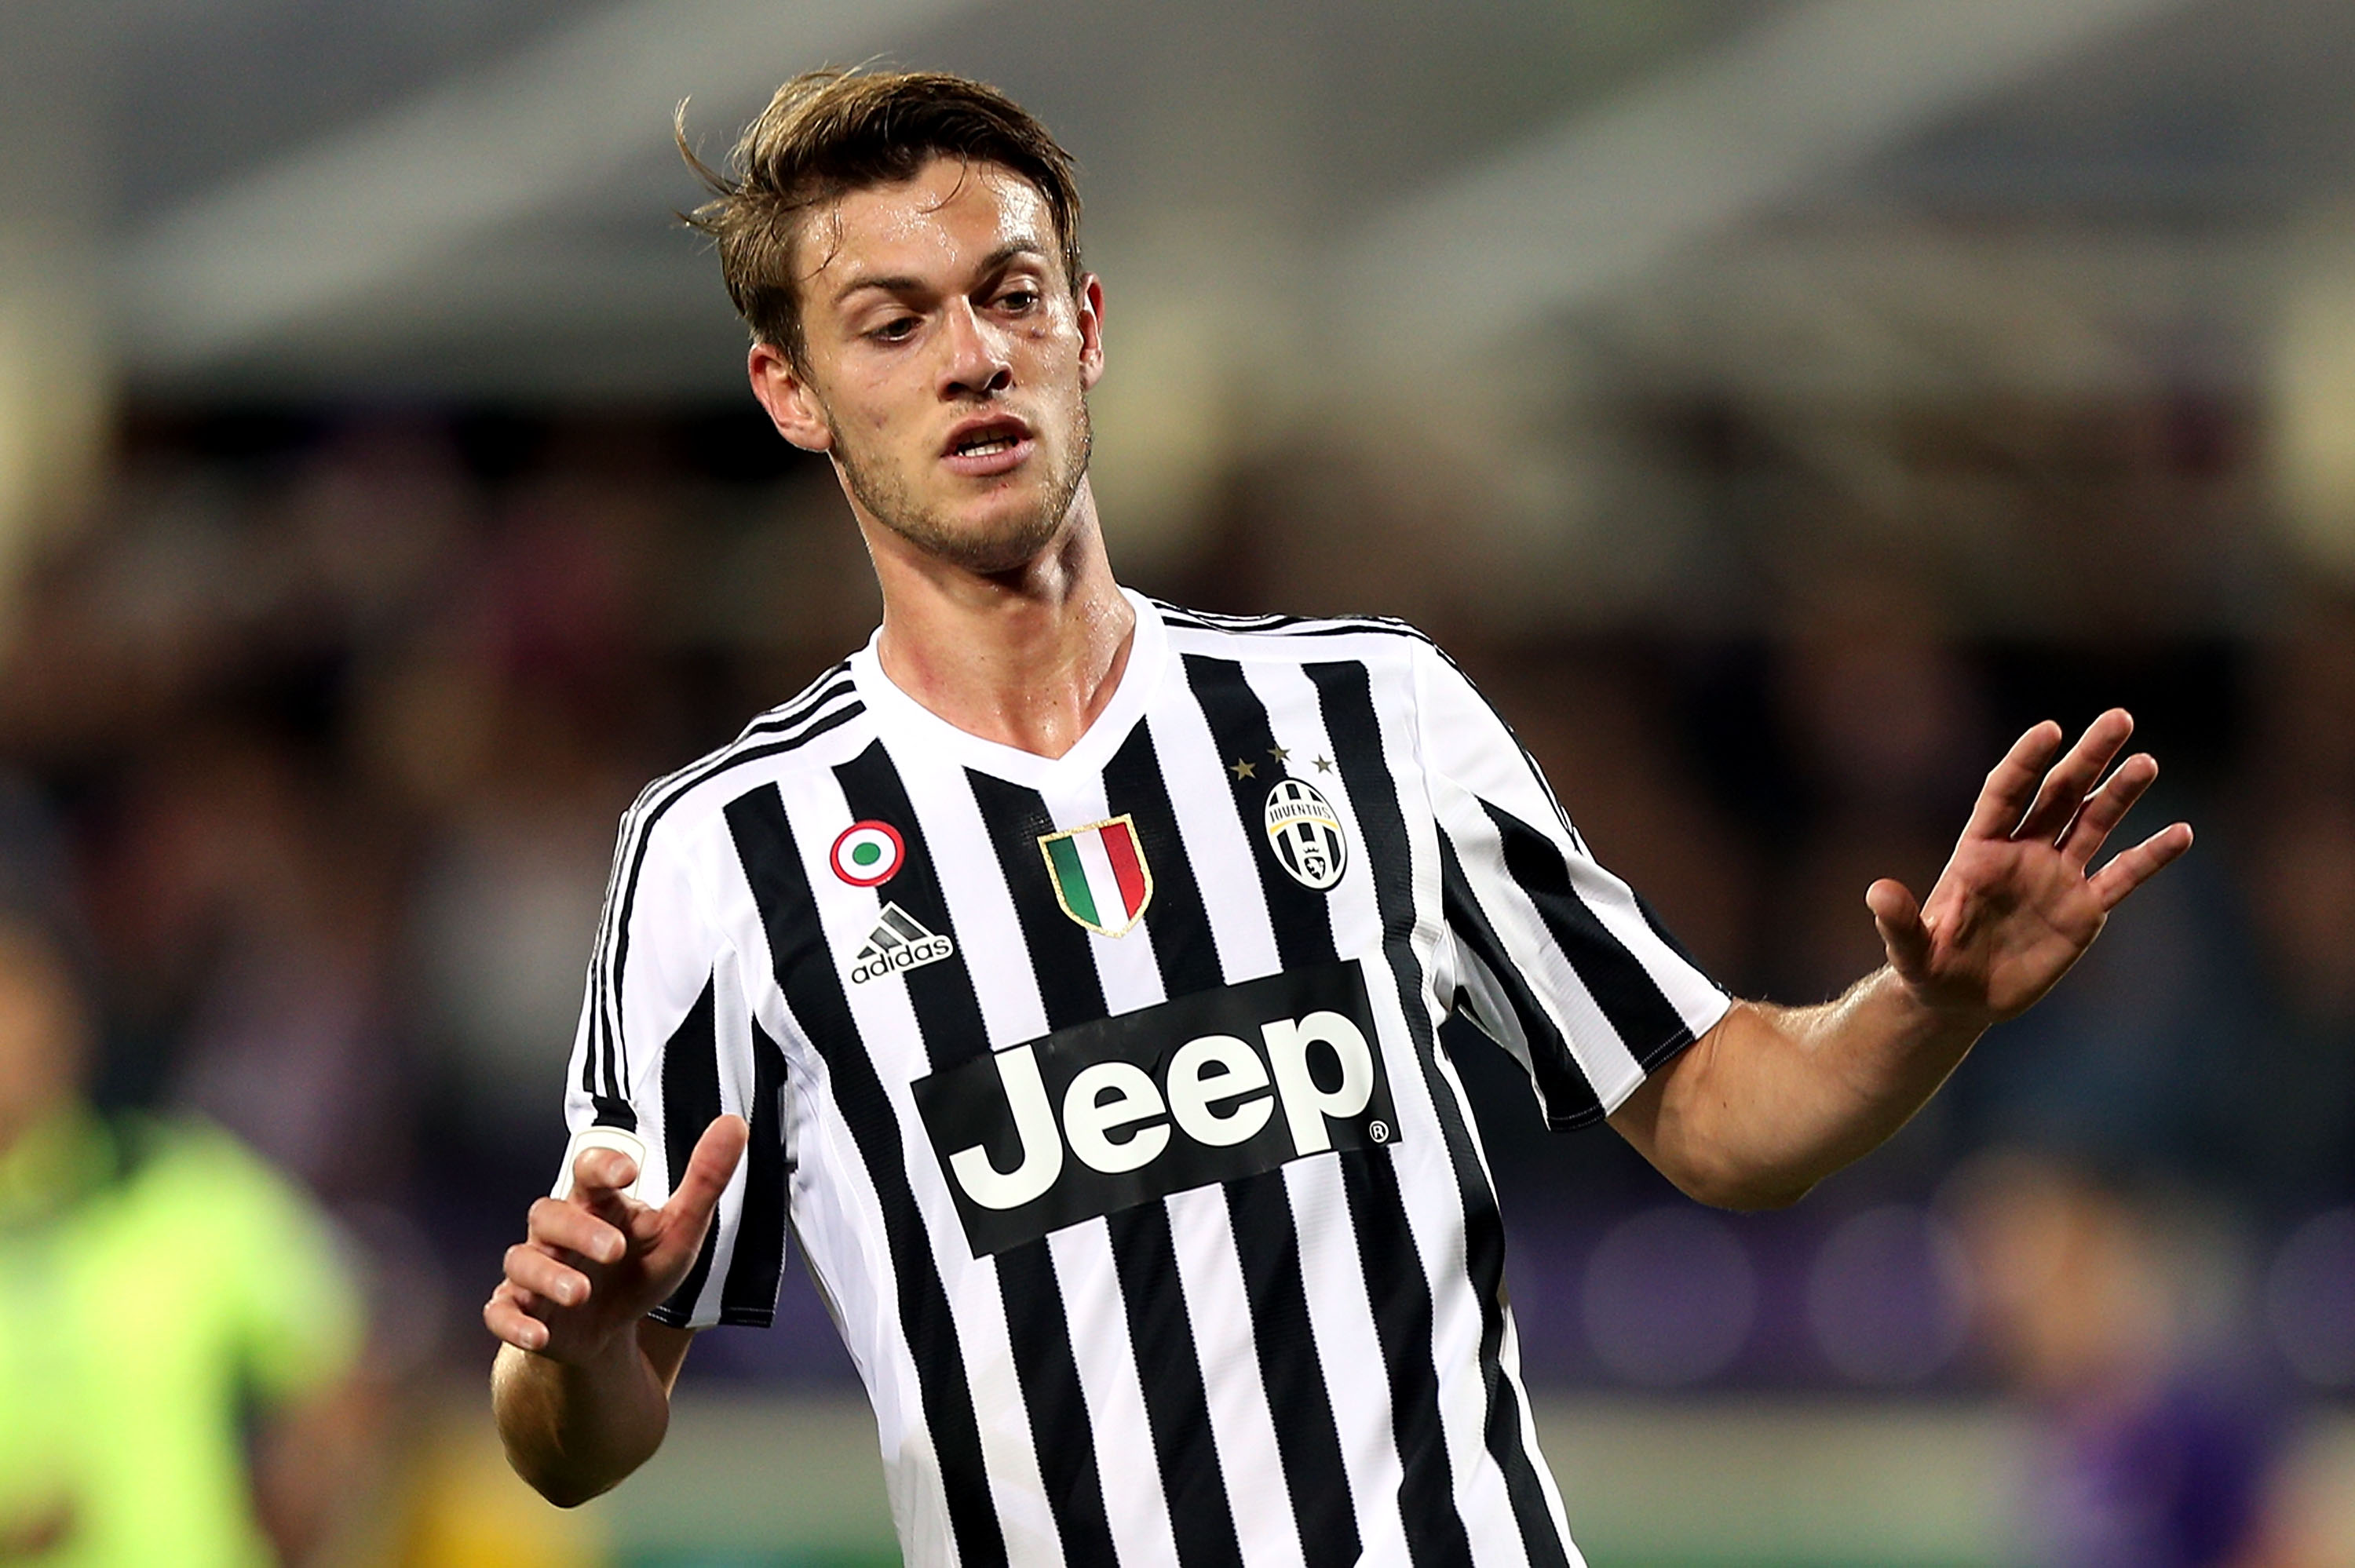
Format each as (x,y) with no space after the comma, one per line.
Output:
(2015,907)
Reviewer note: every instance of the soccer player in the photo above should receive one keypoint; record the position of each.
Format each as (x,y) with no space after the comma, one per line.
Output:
(178,1331)
(1064,970)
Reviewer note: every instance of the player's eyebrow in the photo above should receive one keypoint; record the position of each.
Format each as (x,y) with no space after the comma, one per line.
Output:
(902,283)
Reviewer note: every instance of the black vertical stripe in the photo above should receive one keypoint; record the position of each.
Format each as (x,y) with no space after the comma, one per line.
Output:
(1346,691)
(1175,922)
(690,1098)
(1015,819)
(1267,1246)
(805,971)
(941,994)
(749,1292)
(1177,1401)
(1239,724)
(948,1014)
(1570,1099)
(1038,1334)
(1646,1022)
(1400,1299)
(1145,1251)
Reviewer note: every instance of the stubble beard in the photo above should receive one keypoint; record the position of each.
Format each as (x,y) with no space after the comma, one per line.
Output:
(884,493)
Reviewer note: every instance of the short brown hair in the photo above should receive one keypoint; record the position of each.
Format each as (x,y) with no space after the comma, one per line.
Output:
(830,131)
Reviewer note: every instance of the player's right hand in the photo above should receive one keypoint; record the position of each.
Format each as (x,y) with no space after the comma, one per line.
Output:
(596,1261)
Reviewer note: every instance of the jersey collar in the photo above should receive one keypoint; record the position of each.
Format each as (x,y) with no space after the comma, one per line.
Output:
(904,721)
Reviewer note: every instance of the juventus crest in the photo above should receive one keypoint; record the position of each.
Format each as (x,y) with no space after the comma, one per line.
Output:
(1306,833)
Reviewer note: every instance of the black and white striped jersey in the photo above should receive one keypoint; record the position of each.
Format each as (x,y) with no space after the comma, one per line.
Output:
(1104,1096)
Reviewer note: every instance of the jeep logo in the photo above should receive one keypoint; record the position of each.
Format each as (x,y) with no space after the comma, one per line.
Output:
(1207,1088)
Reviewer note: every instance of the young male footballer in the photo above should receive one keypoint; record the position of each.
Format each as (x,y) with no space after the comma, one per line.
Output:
(1064,970)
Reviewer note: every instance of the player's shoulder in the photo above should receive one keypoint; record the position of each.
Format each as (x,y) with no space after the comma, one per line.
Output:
(806,731)
(1296,639)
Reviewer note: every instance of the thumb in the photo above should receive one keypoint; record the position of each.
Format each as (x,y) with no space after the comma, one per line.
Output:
(1897,915)
(708,1171)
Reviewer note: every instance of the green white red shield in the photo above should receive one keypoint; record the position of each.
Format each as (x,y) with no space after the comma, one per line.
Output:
(1099,875)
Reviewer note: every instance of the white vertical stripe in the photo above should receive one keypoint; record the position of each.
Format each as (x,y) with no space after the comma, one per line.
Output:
(1103,885)
(1216,845)
(1356,1379)
(1134,1501)
(1241,1424)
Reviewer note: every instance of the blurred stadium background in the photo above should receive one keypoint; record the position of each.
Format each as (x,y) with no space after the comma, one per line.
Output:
(1775,405)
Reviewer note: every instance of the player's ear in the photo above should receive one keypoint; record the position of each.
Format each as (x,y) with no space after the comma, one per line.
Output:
(1089,296)
(792,405)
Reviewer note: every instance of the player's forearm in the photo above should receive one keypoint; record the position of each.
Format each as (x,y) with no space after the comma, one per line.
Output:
(1774,1099)
(575,1432)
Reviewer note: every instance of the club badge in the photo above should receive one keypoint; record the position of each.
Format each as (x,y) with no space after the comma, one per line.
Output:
(1306,834)
(1099,875)
(868,853)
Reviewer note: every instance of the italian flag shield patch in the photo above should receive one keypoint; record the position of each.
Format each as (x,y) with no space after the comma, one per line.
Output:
(1099,875)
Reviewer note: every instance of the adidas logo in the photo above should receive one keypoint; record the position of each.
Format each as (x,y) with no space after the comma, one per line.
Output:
(899,943)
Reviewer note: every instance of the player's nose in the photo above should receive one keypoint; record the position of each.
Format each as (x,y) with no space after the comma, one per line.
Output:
(976,361)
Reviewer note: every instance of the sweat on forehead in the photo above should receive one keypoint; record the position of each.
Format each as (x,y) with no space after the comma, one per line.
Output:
(878,215)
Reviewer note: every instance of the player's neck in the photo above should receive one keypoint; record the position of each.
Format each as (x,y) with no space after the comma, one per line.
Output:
(1026,658)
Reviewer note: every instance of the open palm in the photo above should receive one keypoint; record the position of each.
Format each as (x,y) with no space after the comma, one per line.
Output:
(2015,907)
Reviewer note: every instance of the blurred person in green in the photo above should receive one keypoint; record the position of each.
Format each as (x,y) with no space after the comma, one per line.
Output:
(177,1329)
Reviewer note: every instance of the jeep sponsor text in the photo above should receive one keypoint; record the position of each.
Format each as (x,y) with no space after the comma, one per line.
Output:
(1207,1087)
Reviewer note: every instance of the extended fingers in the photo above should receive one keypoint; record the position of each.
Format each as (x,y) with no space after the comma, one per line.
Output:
(2009,788)
(529,1268)
(508,1315)
(561,1222)
(2106,807)
(2073,777)
(2130,869)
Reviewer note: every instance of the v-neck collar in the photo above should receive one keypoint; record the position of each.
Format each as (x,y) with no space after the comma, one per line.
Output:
(902,718)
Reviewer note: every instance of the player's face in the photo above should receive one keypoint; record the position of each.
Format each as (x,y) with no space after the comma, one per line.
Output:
(947,362)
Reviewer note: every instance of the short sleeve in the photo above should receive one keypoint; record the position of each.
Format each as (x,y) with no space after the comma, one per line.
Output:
(667,1042)
(1554,957)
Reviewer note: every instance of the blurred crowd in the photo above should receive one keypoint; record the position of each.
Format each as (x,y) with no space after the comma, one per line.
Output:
(316,733)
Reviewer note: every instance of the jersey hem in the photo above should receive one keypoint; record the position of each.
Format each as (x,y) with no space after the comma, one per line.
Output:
(730,1318)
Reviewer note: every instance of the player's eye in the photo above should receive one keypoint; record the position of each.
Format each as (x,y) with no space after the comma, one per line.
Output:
(1018,299)
(898,329)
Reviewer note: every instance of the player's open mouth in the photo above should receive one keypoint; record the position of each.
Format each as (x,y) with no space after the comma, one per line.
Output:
(984,447)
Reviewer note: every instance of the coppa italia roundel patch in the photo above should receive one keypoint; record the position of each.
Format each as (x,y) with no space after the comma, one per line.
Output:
(868,852)
(1306,834)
